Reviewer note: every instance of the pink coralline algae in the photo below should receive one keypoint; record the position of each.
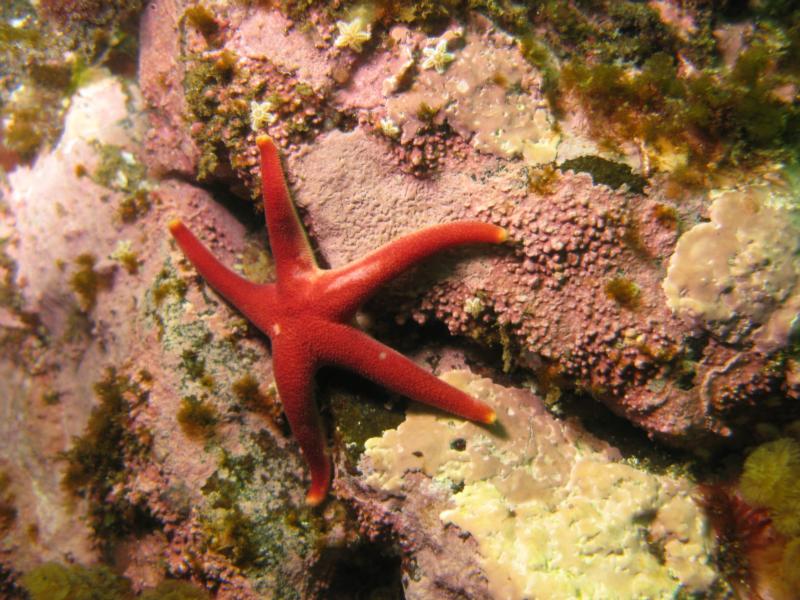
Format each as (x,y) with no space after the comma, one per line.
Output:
(552,305)
(581,301)
(578,299)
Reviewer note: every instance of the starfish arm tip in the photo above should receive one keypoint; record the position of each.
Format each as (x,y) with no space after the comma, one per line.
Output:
(174,225)
(502,235)
(263,140)
(315,497)
(490,418)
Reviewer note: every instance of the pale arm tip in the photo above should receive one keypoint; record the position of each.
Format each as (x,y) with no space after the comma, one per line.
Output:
(174,225)
(315,497)
(502,235)
(263,140)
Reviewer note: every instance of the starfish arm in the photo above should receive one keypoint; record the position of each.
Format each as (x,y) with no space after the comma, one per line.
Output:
(349,348)
(349,286)
(234,288)
(294,370)
(287,238)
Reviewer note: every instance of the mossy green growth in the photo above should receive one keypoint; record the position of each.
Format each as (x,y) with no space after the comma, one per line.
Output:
(173,589)
(253,514)
(31,117)
(606,172)
(791,564)
(204,79)
(201,19)
(86,283)
(624,292)
(119,170)
(8,509)
(771,479)
(198,418)
(51,398)
(713,116)
(45,60)
(193,363)
(168,284)
(257,264)
(357,419)
(667,215)
(247,390)
(53,581)
(230,532)
(96,459)
(228,529)
(125,255)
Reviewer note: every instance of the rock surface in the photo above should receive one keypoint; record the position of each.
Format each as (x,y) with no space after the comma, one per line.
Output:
(141,425)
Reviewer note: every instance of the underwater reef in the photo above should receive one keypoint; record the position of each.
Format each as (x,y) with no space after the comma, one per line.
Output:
(636,335)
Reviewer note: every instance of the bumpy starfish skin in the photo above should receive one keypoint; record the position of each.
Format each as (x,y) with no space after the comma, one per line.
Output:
(306,313)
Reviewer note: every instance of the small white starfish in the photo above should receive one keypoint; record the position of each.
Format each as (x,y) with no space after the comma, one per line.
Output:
(261,114)
(437,57)
(353,34)
(389,128)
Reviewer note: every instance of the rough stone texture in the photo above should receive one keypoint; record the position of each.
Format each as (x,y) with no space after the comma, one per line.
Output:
(487,93)
(169,147)
(216,501)
(52,213)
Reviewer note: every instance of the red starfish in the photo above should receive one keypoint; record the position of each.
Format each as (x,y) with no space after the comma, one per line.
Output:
(307,313)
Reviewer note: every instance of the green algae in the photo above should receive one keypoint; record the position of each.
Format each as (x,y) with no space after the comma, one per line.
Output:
(119,170)
(252,513)
(86,283)
(96,460)
(126,257)
(221,91)
(247,391)
(197,418)
(51,398)
(626,66)
(737,108)
(667,215)
(249,518)
(202,19)
(624,292)
(167,284)
(53,581)
(356,419)
(48,52)
(193,363)
(227,529)
(606,172)
(173,589)
(8,508)
(203,77)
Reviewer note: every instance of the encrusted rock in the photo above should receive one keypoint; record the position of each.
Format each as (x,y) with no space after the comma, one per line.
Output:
(553,511)
(739,274)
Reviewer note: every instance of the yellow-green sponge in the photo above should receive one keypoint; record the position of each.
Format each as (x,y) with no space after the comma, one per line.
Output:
(791,564)
(771,479)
